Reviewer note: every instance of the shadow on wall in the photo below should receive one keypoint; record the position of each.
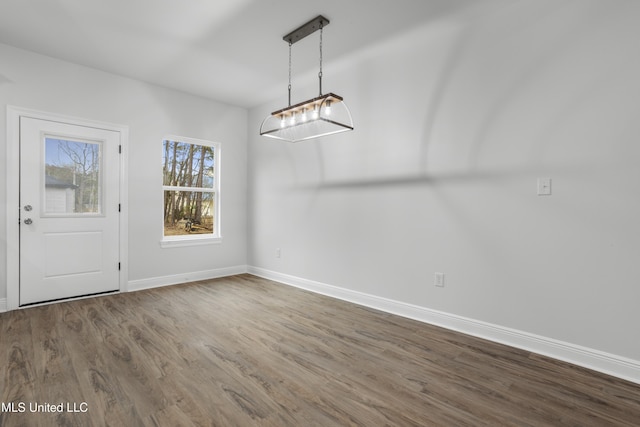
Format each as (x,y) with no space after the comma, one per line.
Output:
(513,85)
(483,51)
(4,80)
(563,62)
(417,180)
(516,81)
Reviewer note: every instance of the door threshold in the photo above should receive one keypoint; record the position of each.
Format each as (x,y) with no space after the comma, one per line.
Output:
(68,299)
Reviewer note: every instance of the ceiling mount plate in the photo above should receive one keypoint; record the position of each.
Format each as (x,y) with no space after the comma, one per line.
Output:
(309,28)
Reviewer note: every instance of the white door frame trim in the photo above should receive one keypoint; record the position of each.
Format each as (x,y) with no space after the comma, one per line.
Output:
(13,194)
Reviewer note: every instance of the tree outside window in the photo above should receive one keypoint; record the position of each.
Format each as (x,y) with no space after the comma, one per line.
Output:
(190,184)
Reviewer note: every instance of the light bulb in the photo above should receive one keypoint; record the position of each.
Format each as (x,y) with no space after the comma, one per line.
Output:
(292,121)
(315,112)
(282,121)
(304,115)
(327,109)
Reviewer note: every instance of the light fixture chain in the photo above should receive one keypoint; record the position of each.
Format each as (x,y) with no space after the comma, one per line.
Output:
(320,73)
(290,73)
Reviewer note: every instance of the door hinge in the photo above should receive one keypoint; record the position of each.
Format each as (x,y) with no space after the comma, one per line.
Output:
(118,266)
(120,149)
(119,207)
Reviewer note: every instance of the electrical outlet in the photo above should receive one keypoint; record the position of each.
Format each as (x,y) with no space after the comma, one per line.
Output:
(277,252)
(439,280)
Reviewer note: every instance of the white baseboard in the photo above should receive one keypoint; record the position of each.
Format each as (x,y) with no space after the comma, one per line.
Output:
(3,305)
(611,364)
(155,282)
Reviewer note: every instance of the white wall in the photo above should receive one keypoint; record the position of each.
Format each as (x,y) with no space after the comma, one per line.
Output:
(455,121)
(41,83)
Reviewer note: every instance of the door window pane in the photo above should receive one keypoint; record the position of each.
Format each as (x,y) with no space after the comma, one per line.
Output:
(72,177)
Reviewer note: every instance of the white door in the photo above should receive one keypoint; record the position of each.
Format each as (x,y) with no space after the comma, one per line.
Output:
(69,210)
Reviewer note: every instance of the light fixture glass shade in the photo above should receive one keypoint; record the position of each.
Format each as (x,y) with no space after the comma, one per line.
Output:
(324,115)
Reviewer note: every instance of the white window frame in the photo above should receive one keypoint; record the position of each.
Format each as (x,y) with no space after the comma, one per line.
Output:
(196,239)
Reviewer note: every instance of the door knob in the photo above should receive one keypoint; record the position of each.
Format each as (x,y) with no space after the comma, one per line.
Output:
(28,221)
(28,208)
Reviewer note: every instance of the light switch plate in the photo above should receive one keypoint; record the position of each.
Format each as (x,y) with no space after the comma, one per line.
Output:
(544,186)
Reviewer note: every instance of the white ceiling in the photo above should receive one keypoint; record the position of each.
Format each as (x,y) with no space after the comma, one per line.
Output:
(228,50)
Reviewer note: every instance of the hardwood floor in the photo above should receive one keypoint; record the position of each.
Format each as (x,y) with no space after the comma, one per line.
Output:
(244,351)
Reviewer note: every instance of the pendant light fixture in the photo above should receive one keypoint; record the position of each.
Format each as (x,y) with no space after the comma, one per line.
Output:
(323,115)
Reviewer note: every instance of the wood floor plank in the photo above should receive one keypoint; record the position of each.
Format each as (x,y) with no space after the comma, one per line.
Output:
(247,351)
(19,376)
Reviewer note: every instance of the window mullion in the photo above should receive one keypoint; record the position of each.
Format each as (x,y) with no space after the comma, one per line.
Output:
(194,189)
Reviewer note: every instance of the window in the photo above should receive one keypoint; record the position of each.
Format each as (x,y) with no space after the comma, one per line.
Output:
(190,183)
(72,184)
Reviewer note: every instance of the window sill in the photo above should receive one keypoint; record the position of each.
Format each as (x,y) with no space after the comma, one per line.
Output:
(190,241)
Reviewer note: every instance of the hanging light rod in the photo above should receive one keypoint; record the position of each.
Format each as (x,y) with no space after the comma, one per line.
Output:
(304,30)
(323,115)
